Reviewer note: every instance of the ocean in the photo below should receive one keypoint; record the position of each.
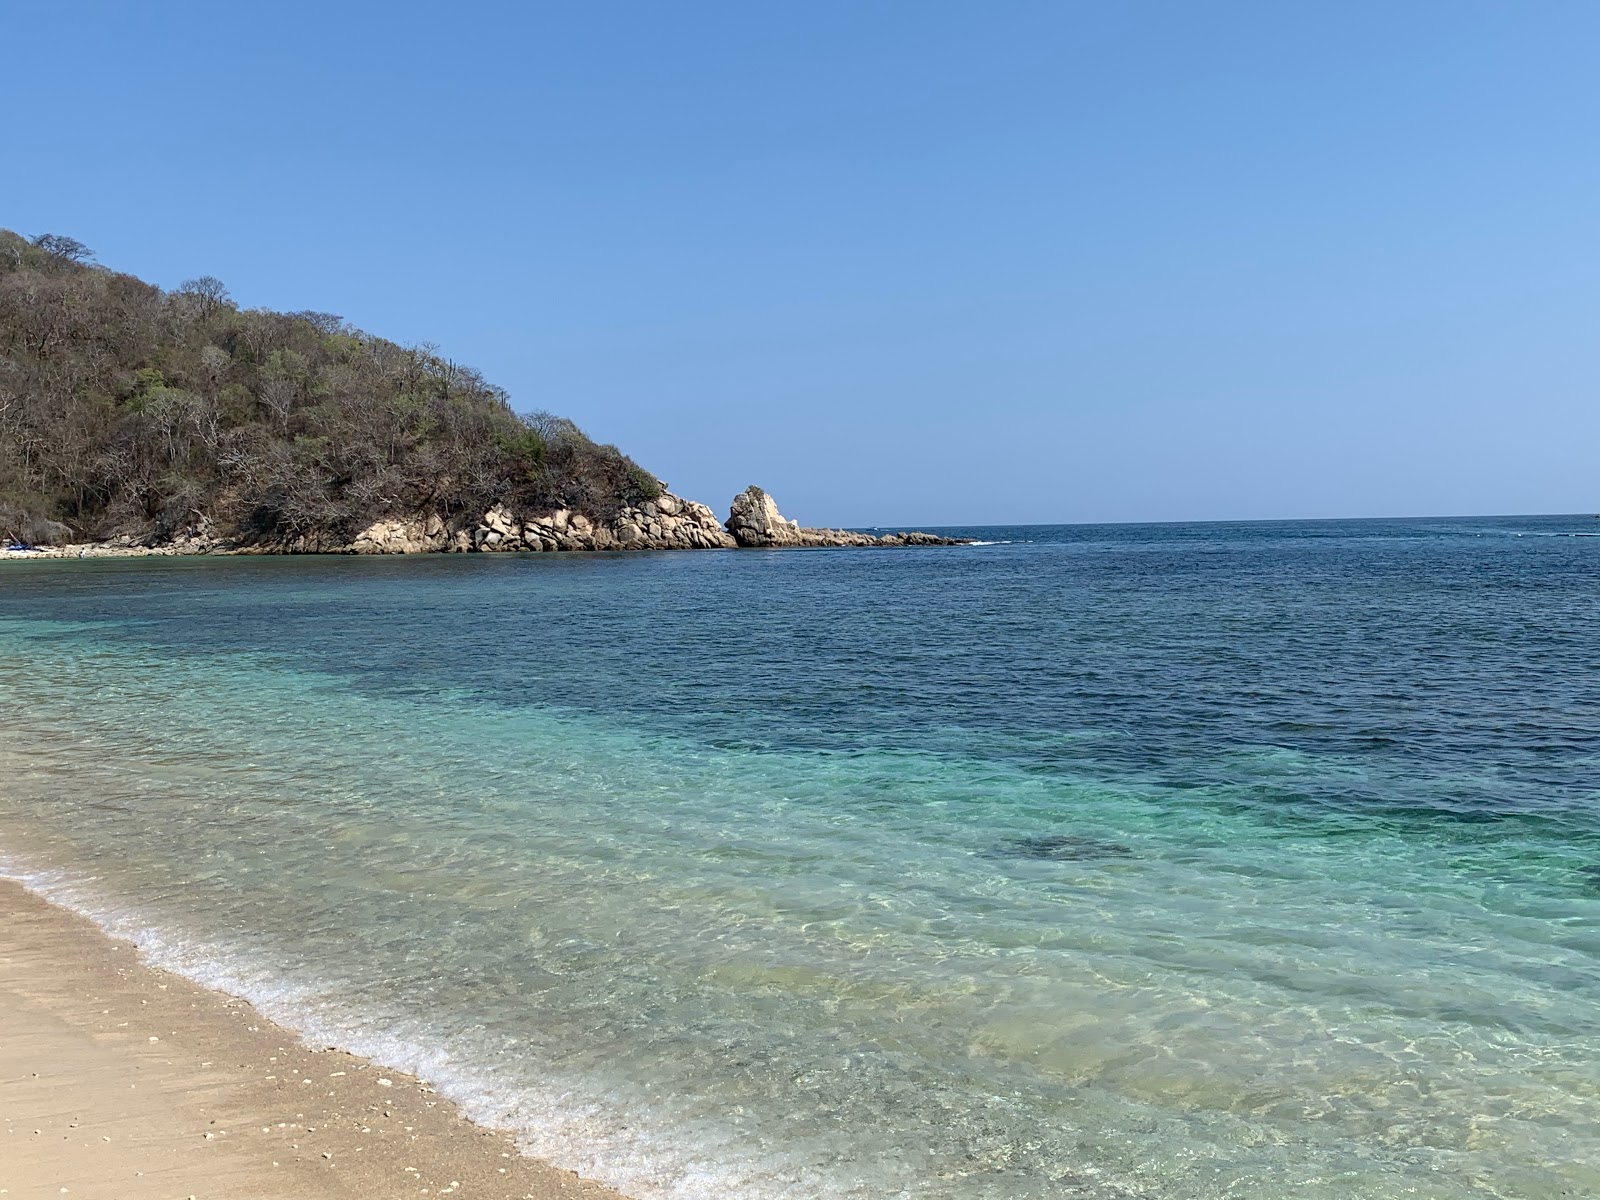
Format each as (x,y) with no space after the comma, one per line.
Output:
(1181,861)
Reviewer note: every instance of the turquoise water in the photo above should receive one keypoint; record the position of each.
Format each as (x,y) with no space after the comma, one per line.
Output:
(1176,861)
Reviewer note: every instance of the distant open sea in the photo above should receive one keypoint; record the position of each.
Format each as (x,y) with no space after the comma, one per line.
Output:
(1185,861)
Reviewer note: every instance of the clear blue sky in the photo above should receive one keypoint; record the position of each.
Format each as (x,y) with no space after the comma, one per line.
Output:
(915,262)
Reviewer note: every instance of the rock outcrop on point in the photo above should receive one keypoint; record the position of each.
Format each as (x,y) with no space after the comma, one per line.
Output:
(156,422)
(755,521)
(667,522)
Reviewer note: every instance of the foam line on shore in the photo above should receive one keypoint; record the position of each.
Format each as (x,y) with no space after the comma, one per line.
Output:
(568,1127)
(127,1080)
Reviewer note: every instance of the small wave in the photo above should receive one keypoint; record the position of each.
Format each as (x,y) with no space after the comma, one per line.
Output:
(600,1132)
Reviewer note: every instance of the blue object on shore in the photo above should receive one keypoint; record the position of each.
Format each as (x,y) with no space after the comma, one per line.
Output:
(21,546)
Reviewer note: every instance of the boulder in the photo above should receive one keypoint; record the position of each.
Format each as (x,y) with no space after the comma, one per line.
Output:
(32,527)
(754,520)
(399,535)
(498,519)
(42,531)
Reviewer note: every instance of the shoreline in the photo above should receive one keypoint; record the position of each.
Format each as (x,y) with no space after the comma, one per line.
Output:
(666,523)
(126,1080)
(87,550)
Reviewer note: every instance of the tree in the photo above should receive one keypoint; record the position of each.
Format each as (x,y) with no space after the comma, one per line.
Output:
(205,295)
(325,323)
(67,249)
(127,410)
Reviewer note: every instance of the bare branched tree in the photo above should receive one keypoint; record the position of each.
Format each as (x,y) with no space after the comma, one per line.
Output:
(206,296)
(64,248)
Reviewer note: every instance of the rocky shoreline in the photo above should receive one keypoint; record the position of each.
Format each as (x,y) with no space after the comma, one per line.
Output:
(668,522)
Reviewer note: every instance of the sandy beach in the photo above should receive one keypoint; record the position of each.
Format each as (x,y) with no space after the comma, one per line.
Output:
(124,1082)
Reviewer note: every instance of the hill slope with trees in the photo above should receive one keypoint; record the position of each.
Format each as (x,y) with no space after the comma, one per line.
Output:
(126,410)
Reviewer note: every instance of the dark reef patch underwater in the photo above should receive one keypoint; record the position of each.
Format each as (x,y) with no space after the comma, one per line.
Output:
(1062,847)
(1201,861)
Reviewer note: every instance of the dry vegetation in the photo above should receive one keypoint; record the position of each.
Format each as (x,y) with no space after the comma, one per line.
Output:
(128,410)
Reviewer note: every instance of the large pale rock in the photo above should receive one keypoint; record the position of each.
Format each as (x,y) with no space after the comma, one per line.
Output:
(398,535)
(754,520)
(499,520)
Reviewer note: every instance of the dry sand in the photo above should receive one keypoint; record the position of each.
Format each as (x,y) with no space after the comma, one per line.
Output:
(119,1081)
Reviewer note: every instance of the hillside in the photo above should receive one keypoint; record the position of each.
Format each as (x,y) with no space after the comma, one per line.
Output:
(128,411)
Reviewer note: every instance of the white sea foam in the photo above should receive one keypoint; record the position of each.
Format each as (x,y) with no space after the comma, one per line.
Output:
(598,1132)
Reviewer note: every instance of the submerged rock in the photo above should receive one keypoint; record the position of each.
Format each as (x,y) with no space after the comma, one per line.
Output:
(1062,847)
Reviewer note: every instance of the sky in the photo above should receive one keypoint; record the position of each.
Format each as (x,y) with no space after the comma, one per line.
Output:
(919,262)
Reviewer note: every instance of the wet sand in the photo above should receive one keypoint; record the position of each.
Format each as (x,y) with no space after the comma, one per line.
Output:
(119,1081)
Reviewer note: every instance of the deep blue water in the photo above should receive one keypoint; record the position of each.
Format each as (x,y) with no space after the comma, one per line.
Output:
(1213,860)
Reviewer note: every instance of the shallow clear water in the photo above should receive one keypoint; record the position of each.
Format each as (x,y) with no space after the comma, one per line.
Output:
(1179,861)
